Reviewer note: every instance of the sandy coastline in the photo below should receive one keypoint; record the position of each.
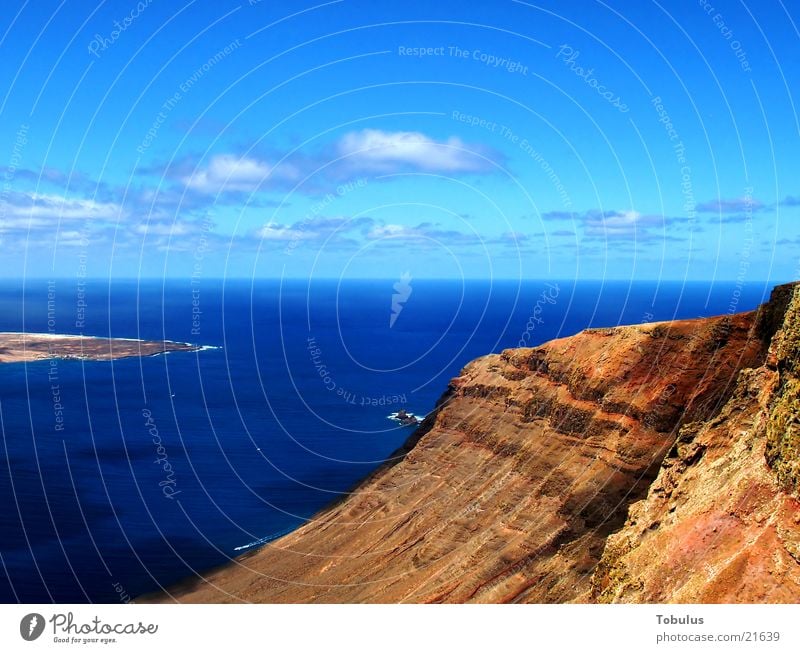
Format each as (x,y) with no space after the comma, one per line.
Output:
(31,347)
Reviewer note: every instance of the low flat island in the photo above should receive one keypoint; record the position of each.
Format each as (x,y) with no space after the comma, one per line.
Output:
(31,347)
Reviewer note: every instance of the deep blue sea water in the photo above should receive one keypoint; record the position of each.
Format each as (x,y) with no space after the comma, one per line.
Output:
(259,434)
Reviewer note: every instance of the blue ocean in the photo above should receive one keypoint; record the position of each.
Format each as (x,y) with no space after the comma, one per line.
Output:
(118,478)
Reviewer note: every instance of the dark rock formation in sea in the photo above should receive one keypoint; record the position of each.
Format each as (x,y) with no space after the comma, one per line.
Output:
(658,462)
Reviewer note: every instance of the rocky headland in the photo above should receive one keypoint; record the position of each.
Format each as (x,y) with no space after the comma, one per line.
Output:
(649,463)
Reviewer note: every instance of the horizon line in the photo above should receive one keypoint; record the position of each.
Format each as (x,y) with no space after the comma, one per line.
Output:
(389,279)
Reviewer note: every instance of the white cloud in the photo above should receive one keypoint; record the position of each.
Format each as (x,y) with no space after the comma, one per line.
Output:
(164,229)
(385,151)
(275,231)
(72,238)
(369,151)
(231,173)
(37,208)
(394,231)
(738,205)
(626,224)
(427,234)
(333,229)
(615,222)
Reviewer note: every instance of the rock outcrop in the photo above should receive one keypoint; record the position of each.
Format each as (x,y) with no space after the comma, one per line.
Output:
(721,523)
(645,463)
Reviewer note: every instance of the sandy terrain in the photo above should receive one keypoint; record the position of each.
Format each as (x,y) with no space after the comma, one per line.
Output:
(29,347)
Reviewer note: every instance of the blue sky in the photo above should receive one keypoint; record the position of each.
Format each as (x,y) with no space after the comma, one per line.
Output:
(365,139)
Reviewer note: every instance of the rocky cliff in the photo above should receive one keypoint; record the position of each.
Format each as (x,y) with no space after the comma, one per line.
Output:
(645,463)
(721,523)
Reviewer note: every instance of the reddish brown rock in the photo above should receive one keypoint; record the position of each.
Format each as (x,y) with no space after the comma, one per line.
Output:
(510,490)
(721,523)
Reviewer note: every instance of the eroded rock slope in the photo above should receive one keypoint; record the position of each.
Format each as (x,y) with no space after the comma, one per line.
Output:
(642,463)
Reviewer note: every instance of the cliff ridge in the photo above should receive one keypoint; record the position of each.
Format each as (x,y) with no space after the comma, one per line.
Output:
(655,462)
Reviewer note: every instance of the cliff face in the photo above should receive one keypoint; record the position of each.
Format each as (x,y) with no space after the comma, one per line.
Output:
(721,523)
(641,463)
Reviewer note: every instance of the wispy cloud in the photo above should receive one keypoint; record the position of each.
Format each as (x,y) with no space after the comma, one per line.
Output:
(425,233)
(280,232)
(621,225)
(433,235)
(559,215)
(49,175)
(374,150)
(316,229)
(39,207)
(38,220)
(737,205)
(174,229)
(227,172)
(364,153)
